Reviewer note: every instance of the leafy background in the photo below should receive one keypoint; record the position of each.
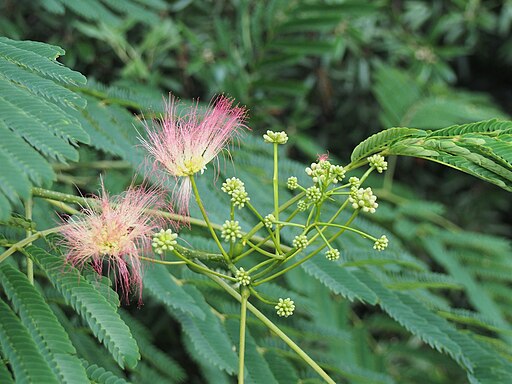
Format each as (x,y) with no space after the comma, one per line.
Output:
(434,308)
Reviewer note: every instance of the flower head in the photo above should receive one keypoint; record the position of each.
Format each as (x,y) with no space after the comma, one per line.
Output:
(113,234)
(183,143)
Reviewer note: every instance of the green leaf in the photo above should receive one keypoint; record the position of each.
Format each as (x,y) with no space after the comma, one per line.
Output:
(339,280)
(100,375)
(50,337)
(164,287)
(382,140)
(208,335)
(26,362)
(5,375)
(100,315)
(34,122)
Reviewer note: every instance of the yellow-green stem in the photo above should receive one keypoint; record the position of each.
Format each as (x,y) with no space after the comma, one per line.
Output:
(26,241)
(207,220)
(243,317)
(275,183)
(30,263)
(274,328)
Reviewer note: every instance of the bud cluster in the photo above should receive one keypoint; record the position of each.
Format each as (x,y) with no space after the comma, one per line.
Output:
(381,244)
(236,189)
(231,231)
(269,221)
(364,199)
(378,162)
(276,137)
(300,241)
(325,173)
(292,183)
(242,277)
(165,240)
(332,254)
(285,307)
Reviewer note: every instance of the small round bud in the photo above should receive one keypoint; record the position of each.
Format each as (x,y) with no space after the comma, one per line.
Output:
(381,244)
(242,277)
(378,162)
(285,307)
(231,231)
(292,183)
(231,185)
(300,241)
(239,197)
(313,194)
(165,240)
(275,137)
(302,205)
(364,199)
(269,221)
(332,254)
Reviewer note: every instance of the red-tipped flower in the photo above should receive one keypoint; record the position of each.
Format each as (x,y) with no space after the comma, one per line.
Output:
(113,233)
(184,143)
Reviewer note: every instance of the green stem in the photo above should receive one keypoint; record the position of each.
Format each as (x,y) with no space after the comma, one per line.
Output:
(261,219)
(201,267)
(310,255)
(363,234)
(263,252)
(26,241)
(156,261)
(207,220)
(274,328)
(30,263)
(275,183)
(243,317)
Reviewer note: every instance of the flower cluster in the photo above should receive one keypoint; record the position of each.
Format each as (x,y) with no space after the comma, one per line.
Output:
(364,199)
(276,137)
(300,241)
(182,144)
(332,254)
(165,240)
(378,162)
(231,231)
(325,173)
(114,234)
(236,189)
(285,307)
(381,244)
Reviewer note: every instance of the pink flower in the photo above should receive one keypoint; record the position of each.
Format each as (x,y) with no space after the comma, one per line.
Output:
(113,233)
(183,143)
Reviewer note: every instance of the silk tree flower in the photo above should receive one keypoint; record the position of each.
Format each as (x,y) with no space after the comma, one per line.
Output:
(113,233)
(183,143)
